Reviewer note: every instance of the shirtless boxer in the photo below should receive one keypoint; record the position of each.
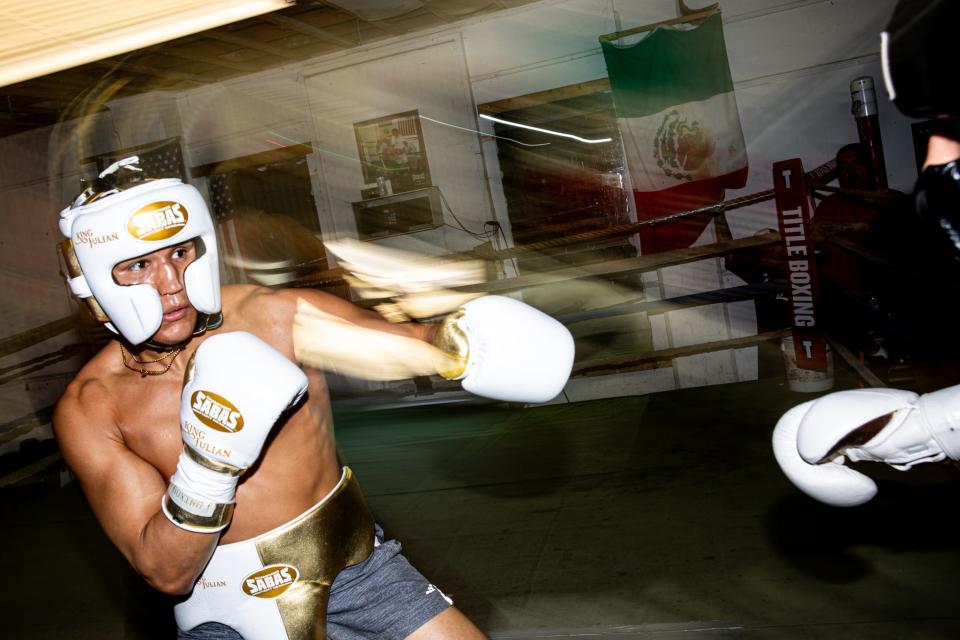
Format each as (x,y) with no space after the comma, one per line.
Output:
(813,441)
(208,456)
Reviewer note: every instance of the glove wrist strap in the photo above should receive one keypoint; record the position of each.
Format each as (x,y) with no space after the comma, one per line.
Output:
(195,515)
(201,493)
(454,349)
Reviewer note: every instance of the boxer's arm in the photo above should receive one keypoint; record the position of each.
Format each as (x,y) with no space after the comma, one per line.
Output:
(497,347)
(813,440)
(281,305)
(124,491)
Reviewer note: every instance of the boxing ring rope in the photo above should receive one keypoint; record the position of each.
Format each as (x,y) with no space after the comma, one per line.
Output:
(38,363)
(624,266)
(332,277)
(25,339)
(730,294)
(24,424)
(30,470)
(656,359)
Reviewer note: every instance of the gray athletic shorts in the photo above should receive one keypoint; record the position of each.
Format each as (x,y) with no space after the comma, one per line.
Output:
(381,598)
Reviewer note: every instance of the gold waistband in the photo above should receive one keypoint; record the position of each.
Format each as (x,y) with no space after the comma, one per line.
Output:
(320,544)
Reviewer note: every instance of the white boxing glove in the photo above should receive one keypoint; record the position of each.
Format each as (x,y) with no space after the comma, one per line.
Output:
(504,349)
(899,428)
(235,387)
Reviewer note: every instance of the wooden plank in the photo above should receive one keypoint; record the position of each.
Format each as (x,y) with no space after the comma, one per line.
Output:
(130,151)
(862,370)
(544,97)
(693,17)
(264,157)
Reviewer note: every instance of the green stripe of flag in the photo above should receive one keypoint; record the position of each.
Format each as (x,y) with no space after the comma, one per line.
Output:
(668,67)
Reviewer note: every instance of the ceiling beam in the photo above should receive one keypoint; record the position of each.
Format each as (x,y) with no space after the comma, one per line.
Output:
(150,71)
(306,29)
(381,25)
(193,57)
(40,92)
(25,119)
(251,44)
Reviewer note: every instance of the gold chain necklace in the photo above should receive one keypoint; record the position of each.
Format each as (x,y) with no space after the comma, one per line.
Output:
(144,372)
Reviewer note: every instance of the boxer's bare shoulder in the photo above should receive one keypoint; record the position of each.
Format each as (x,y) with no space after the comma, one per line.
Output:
(262,311)
(89,401)
(85,404)
(109,400)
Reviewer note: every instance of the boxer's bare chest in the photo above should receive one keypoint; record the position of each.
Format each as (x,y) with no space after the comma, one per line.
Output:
(148,419)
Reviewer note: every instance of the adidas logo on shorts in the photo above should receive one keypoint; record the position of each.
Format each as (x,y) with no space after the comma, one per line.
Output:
(432,589)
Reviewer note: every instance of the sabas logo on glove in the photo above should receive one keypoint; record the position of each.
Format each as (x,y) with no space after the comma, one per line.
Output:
(270,582)
(216,411)
(157,221)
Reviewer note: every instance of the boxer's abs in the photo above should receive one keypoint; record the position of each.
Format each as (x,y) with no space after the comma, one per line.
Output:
(297,470)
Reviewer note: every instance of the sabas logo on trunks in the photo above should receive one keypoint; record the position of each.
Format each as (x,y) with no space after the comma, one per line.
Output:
(270,582)
(215,411)
(157,221)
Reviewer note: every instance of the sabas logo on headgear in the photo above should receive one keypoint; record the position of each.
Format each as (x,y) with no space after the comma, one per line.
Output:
(270,582)
(157,221)
(216,412)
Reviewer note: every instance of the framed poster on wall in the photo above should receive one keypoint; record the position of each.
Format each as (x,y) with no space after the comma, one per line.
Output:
(392,154)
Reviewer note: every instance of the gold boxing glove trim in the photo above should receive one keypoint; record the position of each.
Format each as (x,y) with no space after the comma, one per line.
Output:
(220,517)
(213,465)
(454,349)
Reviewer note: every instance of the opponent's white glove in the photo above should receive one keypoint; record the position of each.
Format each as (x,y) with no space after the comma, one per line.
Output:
(504,349)
(235,388)
(896,427)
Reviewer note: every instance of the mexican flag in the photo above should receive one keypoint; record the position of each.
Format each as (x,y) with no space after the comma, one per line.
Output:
(678,118)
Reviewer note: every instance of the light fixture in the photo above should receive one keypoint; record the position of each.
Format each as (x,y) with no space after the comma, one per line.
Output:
(453,126)
(547,131)
(41,37)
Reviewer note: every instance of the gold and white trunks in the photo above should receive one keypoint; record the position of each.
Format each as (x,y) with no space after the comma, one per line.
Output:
(277,584)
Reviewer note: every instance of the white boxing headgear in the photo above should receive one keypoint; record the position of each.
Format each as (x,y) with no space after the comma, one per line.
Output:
(121,224)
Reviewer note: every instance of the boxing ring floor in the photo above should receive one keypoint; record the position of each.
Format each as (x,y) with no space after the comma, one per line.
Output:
(661,516)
